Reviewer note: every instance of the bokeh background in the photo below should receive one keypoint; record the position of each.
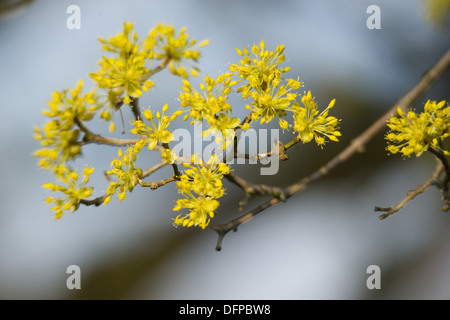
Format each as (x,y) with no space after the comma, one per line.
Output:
(317,245)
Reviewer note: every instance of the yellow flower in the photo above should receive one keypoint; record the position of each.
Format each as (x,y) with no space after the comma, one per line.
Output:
(261,69)
(200,211)
(200,184)
(73,193)
(157,132)
(126,173)
(210,101)
(59,136)
(415,133)
(177,50)
(211,105)
(263,80)
(125,73)
(311,125)
(169,156)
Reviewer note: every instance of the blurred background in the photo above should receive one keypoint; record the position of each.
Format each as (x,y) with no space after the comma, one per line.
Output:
(317,245)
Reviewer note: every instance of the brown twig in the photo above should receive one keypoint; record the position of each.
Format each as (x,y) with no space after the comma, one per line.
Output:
(135,108)
(151,72)
(176,172)
(94,202)
(282,155)
(152,169)
(412,193)
(251,189)
(90,137)
(156,184)
(357,144)
(443,159)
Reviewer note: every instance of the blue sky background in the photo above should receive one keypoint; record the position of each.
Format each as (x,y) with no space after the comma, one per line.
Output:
(318,245)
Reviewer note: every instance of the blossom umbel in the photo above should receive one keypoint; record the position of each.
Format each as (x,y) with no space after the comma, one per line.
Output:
(211,105)
(311,125)
(156,132)
(125,75)
(178,50)
(73,193)
(270,92)
(59,136)
(415,133)
(126,173)
(201,185)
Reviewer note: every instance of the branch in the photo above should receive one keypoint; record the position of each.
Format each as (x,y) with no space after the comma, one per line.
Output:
(95,202)
(135,108)
(176,172)
(152,169)
(282,155)
(98,139)
(357,144)
(156,184)
(251,189)
(441,157)
(90,137)
(151,72)
(223,229)
(445,184)
(412,193)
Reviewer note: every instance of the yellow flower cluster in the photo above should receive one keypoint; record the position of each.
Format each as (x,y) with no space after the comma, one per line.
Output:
(73,193)
(176,50)
(311,125)
(210,105)
(123,77)
(150,136)
(126,173)
(201,185)
(126,73)
(169,156)
(415,133)
(264,80)
(59,136)
(261,79)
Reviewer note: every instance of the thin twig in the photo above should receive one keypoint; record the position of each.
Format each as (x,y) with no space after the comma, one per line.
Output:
(98,139)
(151,72)
(174,165)
(94,202)
(254,189)
(135,108)
(357,144)
(156,184)
(223,229)
(443,159)
(412,193)
(152,169)
(282,155)
(90,137)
